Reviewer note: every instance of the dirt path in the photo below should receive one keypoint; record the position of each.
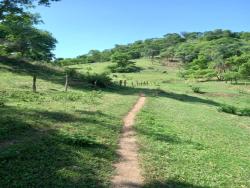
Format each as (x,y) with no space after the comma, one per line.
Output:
(127,169)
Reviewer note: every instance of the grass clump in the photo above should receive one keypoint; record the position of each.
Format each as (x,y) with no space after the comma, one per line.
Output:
(234,110)
(244,112)
(196,89)
(228,109)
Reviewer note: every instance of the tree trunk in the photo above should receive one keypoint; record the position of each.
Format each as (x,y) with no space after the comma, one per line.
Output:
(66,83)
(34,83)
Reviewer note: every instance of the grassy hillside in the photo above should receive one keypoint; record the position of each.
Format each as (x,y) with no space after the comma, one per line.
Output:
(185,141)
(58,139)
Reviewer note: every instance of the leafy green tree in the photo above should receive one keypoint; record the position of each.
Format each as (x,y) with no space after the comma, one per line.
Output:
(122,63)
(245,70)
(19,7)
(121,59)
(22,37)
(172,39)
(94,56)
(191,35)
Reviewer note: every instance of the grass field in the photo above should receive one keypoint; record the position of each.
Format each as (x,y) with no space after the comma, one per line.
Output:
(58,139)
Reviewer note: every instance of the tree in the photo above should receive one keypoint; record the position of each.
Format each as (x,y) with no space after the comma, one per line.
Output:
(191,35)
(245,69)
(19,7)
(169,53)
(172,39)
(94,56)
(22,37)
(19,35)
(122,63)
(121,59)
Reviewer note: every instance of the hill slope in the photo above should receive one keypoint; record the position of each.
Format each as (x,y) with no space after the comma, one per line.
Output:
(57,139)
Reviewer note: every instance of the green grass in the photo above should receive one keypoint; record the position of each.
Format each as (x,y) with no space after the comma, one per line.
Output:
(92,68)
(186,142)
(58,139)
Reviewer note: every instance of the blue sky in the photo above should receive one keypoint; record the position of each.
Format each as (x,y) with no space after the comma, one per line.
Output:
(82,25)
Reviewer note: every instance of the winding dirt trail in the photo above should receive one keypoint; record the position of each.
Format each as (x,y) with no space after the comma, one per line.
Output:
(127,169)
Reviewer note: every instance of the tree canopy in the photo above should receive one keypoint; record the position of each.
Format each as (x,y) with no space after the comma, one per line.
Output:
(18,33)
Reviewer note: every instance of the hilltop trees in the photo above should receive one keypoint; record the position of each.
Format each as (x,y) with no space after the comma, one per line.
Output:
(207,55)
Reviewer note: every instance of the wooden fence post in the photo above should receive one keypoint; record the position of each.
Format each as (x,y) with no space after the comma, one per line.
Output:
(125,83)
(120,83)
(66,82)
(34,83)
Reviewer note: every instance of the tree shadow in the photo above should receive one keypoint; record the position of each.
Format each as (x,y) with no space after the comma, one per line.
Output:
(34,153)
(172,184)
(151,92)
(14,120)
(172,139)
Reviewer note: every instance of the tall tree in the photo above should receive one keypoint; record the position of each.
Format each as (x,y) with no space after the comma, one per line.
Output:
(10,7)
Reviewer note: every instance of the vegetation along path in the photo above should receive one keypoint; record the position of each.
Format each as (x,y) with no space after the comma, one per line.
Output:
(127,169)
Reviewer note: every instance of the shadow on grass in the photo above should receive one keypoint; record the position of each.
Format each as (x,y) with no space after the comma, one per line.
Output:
(172,184)
(34,153)
(161,93)
(172,139)
(166,184)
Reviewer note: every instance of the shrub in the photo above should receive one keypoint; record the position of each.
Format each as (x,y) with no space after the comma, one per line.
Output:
(244,112)
(196,89)
(228,109)
(100,80)
(130,67)
(71,72)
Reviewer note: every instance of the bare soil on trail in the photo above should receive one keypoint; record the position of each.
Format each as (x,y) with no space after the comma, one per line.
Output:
(127,169)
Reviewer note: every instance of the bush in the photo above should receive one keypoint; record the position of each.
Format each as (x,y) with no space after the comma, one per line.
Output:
(233,110)
(71,72)
(126,69)
(228,109)
(100,80)
(244,112)
(196,89)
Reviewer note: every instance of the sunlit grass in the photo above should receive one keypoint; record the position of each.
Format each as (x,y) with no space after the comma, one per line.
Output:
(56,139)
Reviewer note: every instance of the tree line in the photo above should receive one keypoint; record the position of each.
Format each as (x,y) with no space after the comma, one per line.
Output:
(221,54)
